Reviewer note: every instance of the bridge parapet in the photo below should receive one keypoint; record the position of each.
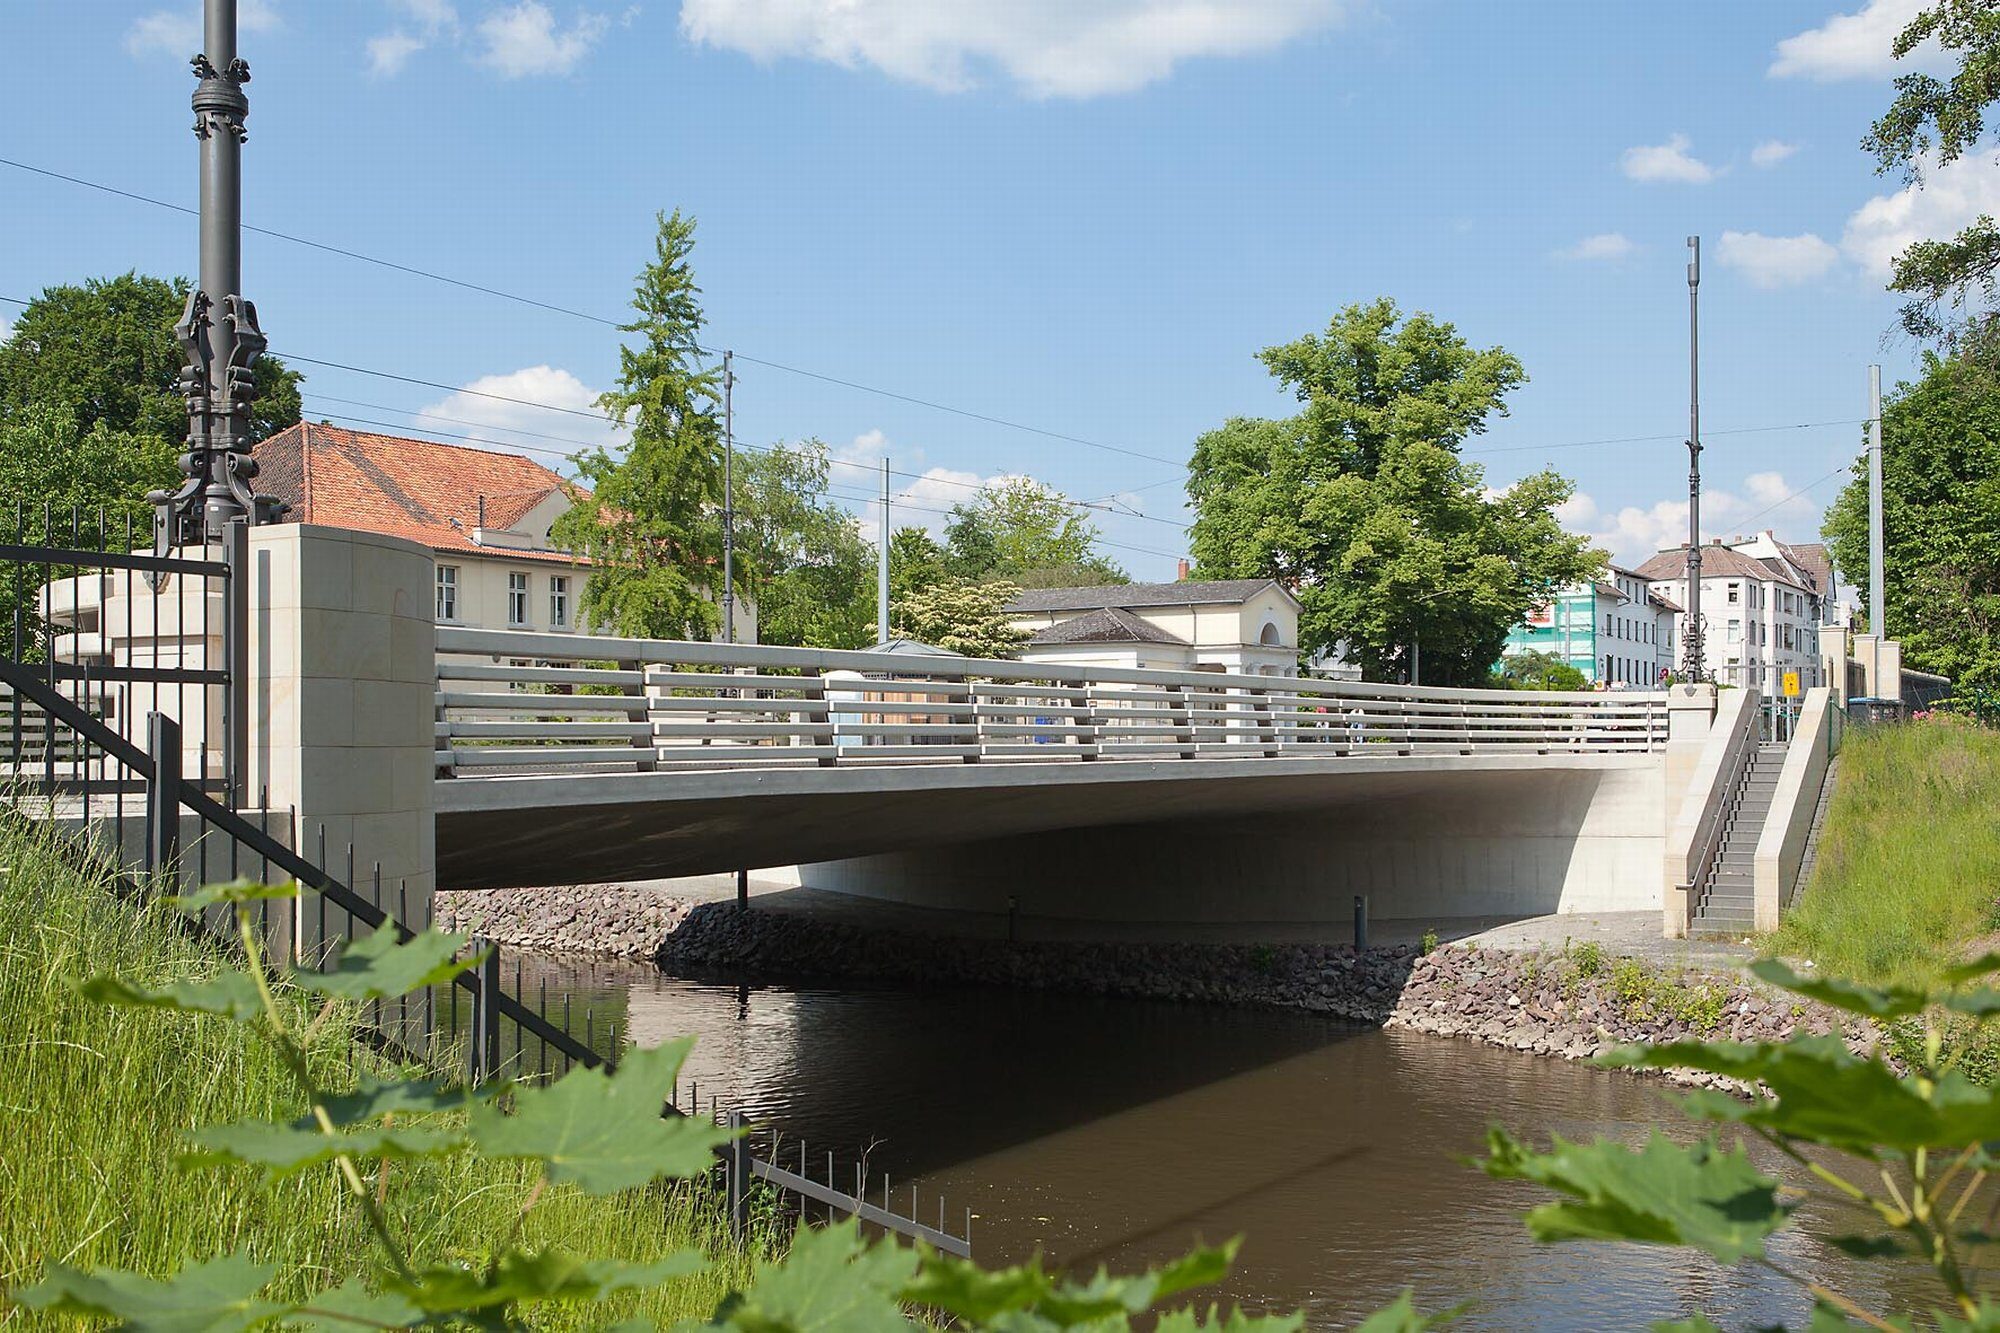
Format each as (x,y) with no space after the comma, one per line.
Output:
(512,703)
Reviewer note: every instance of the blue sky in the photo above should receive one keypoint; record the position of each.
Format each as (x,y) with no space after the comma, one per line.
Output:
(1081,217)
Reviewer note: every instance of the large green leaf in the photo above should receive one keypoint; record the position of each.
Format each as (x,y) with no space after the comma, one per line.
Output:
(374,1097)
(288,1148)
(1235,1321)
(1662,1193)
(963,1289)
(230,994)
(830,1281)
(220,1296)
(604,1132)
(234,891)
(1402,1316)
(546,1275)
(376,967)
(1820,1092)
(352,1306)
(1880,1004)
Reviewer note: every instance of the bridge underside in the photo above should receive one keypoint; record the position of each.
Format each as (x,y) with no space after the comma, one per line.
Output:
(1519,832)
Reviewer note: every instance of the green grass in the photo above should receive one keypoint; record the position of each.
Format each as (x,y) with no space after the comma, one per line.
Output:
(94,1104)
(1908,875)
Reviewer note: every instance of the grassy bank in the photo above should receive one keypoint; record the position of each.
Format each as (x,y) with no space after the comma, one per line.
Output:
(94,1103)
(1908,875)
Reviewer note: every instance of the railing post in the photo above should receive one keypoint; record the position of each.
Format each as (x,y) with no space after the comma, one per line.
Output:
(1183,724)
(643,711)
(816,708)
(163,794)
(1088,737)
(236,661)
(736,1169)
(483,1047)
(966,696)
(1267,728)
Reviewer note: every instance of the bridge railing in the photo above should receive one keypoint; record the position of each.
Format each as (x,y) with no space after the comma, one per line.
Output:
(516,702)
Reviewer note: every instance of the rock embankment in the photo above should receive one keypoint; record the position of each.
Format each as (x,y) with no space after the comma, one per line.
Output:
(1572,1004)
(606,920)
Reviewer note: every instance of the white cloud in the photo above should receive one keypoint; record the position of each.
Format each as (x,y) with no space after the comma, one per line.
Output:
(389,52)
(1776,261)
(525,39)
(1669,161)
(1634,532)
(1044,48)
(493,419)
(1771,152)
(6,328)
(1950,197)
(177,32)
(1604,245)
(1856,46)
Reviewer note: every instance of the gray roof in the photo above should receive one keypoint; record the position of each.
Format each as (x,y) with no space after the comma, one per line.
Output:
(909,648)
(1183,593)
(1110,624)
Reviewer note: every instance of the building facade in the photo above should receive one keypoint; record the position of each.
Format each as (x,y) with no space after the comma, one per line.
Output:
(1241,626)
(1762,603)
(1618,631)
(486,516)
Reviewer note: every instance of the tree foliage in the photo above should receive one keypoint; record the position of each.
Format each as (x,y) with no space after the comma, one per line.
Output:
(1534,670)
(962,616)
(651,521)
(1362,504)
(1028,533)
(799,555)
(105,352)
(1932,123)
(1940,516)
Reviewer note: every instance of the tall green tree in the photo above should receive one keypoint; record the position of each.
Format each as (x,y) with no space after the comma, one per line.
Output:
(105,353)
(651,522)
(799,556)
(1932,123)
(1028,533)
(961,616)
(916,561)
(1940,515)
(1362,503)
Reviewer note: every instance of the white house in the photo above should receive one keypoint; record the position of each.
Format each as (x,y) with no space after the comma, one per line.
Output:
(1244,626)
(485,516)
(1762,602)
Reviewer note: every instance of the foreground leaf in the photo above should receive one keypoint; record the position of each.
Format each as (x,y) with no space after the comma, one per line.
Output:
(234,891)
(374,1097)
(216,1297)
(1881,1004)
(1402,1316)
(831,1280)
(1235,1321)
(351,1306)
(547,1275)
(604,1132)
(376,967)
(287,1148)
(230,994)
(961,1288)
(1663,1193)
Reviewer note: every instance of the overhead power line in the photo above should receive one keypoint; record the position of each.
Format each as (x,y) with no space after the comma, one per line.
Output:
(414,271)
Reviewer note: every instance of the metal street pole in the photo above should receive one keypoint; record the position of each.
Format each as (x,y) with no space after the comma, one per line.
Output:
(218,330)
(729,497)
(1875,560)
(1691,635)
(882,565)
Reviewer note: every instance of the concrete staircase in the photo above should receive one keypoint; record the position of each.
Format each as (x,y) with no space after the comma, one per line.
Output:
(1726,903)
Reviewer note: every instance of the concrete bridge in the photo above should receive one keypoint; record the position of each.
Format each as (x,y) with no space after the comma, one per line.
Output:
(1064,790)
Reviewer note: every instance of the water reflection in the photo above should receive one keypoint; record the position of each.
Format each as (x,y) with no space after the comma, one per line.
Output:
(1117,1131)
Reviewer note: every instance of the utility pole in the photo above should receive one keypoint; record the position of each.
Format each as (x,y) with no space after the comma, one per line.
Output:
(729,497)
(1691,635)
(218,330)
(882,565)
(1875,560)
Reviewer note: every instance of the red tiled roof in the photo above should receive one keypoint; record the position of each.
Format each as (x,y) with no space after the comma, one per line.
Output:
(419,490)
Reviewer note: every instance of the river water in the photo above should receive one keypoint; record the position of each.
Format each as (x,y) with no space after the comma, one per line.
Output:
(1118,1131)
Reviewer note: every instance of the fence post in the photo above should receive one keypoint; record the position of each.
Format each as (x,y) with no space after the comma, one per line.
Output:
(236,662)
(483,1050)
(163,793)
(736,1162)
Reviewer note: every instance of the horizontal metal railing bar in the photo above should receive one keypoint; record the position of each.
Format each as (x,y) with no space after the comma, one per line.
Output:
(861,1208)
(517,643)
(722,680)
(448,670)
(545,703)
(68,671)
(555,730)
(501,757)
(90,560)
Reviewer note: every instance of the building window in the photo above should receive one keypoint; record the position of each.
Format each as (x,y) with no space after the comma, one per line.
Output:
(1735,631)
(558,601)
(447,592)
(517,599)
